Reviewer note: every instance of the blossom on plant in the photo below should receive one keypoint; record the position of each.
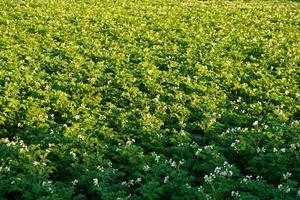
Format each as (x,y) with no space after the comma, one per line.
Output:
(130,142)
(75,182)
(173,164)
(258,178)
(200,188)
(95,181)
(235,194)
(35,163)
(138,180)
(166,179)
(286,175)
(109,164)
(81,137)
(72,154)
(255,123)
(131,182)
(209,178)
(198,152)
(146,168)
(258,150)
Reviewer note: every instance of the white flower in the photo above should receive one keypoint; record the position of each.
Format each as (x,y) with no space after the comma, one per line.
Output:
(72,154)
(75,182)
(298,193)
(35,163)
(131,182)
(51,145)
(293,146)
(130,142)
(223,173)
(258,150)
(217,170)
(156,98)
(200,189)
(100,168)
(50,190)
(173,164)
(286,175)
(209,147)
(138,180)
(198,152)
(235,194)
(44,183)
(280,186)
(157,158)
(95,181)
(234,145)
(81,137)
(7,169)
(244,180)
(255,123)
(206,178)
(209,178)
(258,178)
(166,179)
(181,162)
(146,168)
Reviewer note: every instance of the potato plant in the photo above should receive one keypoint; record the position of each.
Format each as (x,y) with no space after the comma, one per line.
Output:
(160,99)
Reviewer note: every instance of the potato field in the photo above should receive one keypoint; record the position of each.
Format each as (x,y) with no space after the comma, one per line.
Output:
(149,99)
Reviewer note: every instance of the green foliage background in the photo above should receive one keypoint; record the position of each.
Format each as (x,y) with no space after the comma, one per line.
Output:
(160,99)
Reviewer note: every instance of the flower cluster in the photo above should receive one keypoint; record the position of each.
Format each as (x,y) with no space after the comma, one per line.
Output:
(222,171)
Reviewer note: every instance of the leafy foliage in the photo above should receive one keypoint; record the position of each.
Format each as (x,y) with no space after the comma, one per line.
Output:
(160,99)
